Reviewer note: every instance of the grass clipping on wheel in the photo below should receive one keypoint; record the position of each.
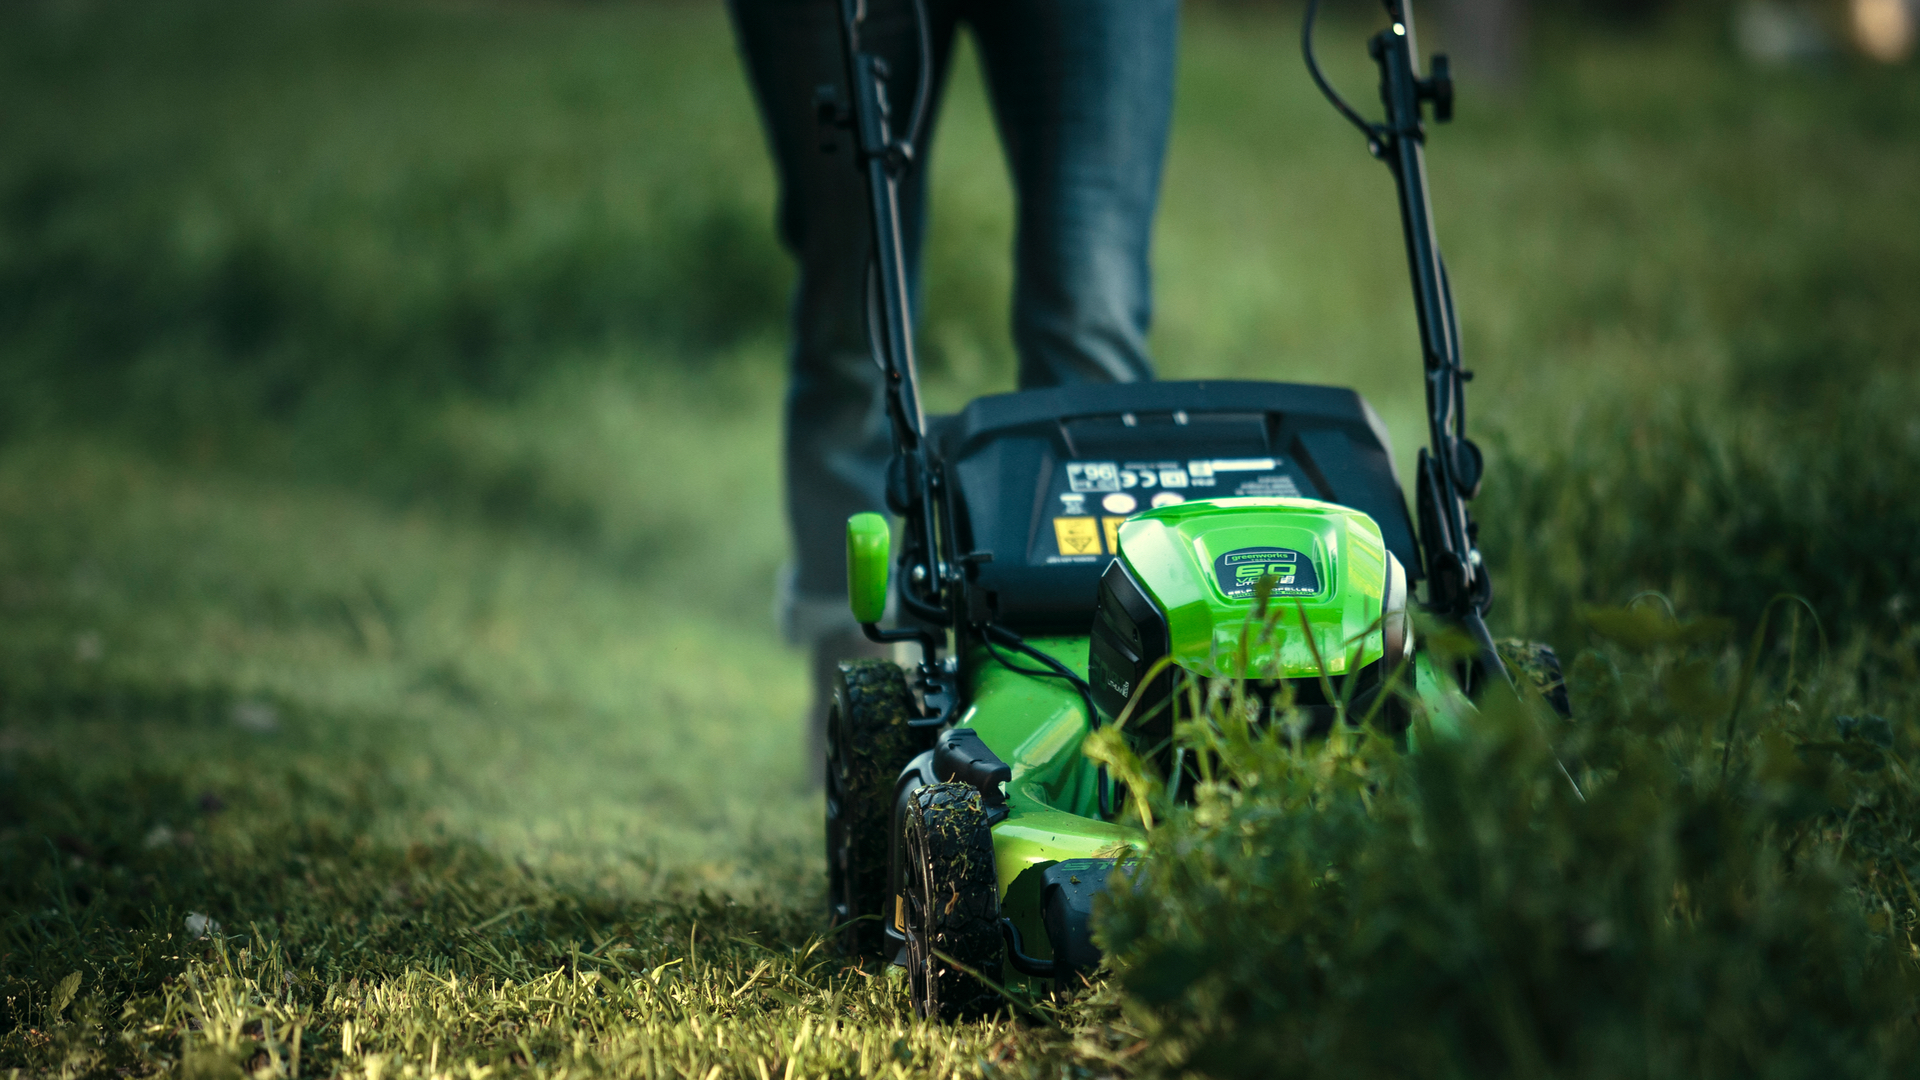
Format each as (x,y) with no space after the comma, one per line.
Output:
(1701,906)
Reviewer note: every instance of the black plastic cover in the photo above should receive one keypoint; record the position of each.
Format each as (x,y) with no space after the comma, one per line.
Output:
(1129,635)
(961,754)
(1043,477)
(1066,900)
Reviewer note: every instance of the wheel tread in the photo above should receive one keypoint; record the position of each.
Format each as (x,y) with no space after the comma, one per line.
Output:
(870,741)
(953,839)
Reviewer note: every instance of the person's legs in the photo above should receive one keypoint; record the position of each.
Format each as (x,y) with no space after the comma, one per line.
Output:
(836,431)
(1083,94)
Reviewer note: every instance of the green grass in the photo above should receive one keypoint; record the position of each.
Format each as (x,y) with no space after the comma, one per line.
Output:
(388,493)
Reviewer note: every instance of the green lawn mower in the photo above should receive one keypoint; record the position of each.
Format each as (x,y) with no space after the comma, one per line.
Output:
(1077,557)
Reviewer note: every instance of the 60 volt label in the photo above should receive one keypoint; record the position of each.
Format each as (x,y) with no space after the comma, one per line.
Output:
(1238,571)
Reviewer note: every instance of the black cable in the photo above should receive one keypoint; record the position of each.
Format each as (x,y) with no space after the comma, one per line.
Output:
(1042,673)
(1059,671)
(875,335)
(1453,342)
(1011,666)
(920,609)
(1313,69)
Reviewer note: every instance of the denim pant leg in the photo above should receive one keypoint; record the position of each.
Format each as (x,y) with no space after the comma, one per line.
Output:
(836,427)
(1083,93)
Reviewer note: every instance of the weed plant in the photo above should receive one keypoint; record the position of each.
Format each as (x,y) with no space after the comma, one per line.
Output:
(1705,890)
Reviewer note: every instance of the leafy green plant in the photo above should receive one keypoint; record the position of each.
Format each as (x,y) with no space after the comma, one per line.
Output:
(1465,910)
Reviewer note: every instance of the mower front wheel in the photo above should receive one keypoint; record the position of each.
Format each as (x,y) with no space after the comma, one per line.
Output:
(869,741)
(951,909)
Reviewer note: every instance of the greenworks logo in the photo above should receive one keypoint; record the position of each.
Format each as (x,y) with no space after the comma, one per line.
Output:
(1253,570)
(1239,571)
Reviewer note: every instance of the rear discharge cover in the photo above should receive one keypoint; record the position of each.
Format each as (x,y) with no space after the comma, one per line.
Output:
(1184,585)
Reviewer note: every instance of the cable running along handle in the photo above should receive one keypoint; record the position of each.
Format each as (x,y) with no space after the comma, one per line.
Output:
(884,155)
(1450,465)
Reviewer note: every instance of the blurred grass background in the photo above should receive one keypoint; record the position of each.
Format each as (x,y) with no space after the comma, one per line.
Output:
(389,425)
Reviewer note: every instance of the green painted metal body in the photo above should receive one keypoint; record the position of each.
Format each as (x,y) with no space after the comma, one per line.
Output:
(1444,706)
(1038,725)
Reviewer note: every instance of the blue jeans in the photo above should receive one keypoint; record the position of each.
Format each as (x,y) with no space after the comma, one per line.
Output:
(1082,92)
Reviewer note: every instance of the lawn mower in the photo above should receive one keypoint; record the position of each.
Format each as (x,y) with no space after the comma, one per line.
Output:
(1075,557)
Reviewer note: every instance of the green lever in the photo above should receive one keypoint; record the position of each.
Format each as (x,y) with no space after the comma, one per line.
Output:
(869,550)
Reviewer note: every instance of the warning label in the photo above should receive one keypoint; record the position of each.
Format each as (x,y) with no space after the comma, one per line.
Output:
(1077,535)
(1086,500)
(1270,486)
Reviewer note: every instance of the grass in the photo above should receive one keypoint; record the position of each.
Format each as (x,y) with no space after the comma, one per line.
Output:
(388,495)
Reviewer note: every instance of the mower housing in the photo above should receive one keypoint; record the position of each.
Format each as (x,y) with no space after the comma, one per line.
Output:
(1182,602)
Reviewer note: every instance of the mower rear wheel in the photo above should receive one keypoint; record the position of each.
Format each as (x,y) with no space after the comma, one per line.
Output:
(868,743)
(1537,665)
(951,909)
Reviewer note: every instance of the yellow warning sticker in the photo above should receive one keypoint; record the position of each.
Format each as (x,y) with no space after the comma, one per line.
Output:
(1077,535)
(1113,533)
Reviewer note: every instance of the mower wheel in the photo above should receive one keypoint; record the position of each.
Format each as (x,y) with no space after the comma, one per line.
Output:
(951,910)
(1537,665)
(868,743)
